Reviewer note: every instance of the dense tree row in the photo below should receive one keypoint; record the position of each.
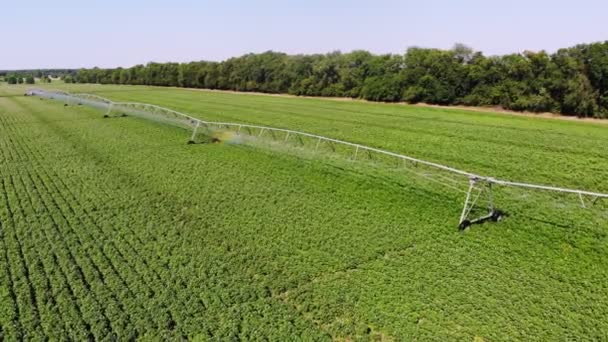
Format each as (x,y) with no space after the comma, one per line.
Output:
(30,76)
(572,81)
(39,73)
(15,78)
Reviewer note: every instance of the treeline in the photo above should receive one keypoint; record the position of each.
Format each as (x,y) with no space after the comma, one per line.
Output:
(31,75)
(19,79)
(572,81)
(27,79)
(39,73)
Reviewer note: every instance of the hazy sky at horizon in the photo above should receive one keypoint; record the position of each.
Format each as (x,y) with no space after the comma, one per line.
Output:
(111,33)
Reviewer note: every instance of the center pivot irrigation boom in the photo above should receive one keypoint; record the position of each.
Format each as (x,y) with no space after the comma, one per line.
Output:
(479,186)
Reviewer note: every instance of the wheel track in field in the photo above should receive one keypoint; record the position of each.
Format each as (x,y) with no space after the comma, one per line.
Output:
(182,283)
(23,261)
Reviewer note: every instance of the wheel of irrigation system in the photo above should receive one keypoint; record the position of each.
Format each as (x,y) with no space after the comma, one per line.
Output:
(464,225)
(497,215)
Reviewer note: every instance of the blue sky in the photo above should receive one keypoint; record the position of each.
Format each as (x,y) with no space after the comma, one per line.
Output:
(110,33)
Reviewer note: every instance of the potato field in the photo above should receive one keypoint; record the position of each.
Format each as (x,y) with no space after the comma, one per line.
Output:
(116,229)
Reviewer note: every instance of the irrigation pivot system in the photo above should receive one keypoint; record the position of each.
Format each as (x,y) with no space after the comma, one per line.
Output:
(478,188)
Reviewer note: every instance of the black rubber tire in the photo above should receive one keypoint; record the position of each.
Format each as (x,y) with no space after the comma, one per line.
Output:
(497,215)
(464,225)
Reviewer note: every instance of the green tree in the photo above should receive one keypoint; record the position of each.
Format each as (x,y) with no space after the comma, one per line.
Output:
(434,76)
(580,97)
(573,81)
(386,89)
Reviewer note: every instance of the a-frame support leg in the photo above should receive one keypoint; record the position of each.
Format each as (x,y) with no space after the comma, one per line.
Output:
(107,114)
(191,141)
(469,203)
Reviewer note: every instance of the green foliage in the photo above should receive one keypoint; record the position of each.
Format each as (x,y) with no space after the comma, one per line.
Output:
(572,81)
(29,79)
(378,88)
(580,97)
(45,79)
(38,73)
(15,79)
(115,229)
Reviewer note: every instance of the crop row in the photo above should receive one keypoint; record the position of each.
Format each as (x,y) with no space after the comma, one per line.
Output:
(107,275)
(51,196)
(138,234)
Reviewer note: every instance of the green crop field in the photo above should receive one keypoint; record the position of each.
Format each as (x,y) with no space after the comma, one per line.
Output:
(117,229)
